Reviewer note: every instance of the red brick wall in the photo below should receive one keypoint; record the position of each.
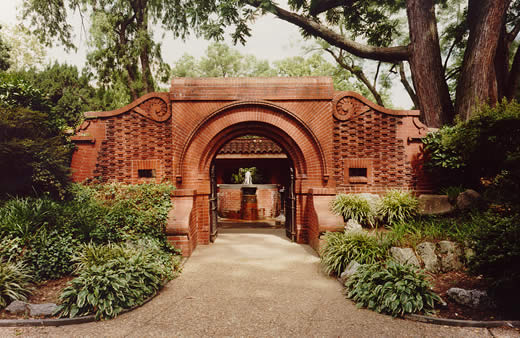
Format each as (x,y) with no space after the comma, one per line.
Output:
(178,135)
(131,140)
(229,200)
(382,141)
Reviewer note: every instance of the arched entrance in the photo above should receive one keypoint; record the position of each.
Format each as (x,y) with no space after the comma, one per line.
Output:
(243,118)
(267,201)
(337,142)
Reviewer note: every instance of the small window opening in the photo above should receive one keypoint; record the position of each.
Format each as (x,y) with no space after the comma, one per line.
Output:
(357,172)
(145,173)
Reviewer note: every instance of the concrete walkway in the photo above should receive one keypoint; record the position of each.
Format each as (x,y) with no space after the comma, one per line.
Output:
(253,282)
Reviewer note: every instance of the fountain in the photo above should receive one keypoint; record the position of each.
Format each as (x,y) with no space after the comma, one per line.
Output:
(248,203)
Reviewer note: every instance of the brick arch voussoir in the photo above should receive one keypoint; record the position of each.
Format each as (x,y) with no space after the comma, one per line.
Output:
(291,148)
(251,117)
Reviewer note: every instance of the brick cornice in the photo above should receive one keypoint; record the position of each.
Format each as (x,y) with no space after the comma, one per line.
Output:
(347,105)
(159,111)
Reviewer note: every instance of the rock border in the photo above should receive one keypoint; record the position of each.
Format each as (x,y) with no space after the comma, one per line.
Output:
(458,322)
(71,321)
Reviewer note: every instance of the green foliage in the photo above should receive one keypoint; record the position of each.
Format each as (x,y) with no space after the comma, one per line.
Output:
(496,243)
(397,206)
(433,228)
(354,206)
(341,248)
(112,279)
(486,146)
(453,192)
(17,91)
(4,53)
(10,248)
(34,155)
(24,217)
(135,209)
(49,254)
(391,288)
(14,282)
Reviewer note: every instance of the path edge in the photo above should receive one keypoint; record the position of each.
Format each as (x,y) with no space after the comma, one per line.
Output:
(73,321)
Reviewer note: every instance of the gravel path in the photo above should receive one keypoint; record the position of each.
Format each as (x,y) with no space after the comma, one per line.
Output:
(253,282)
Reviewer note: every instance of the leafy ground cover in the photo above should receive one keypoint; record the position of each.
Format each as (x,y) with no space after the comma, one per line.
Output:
(104,248)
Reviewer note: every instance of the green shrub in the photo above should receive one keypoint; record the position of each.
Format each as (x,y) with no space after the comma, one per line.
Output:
(14,282)
(391,288)
(433,228)
(453,192)
(134,210)
(485,146)
(108,282)
(343,247)
(496,243)
(10,248)
(23,217)
(397,206)
(353,206)
(49,254)
(34,155)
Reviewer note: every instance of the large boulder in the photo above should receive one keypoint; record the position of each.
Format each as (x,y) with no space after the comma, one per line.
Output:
(350,270)
(404,256)
(434,205)
(45,309)
(468,199)
(17,307)
(426,251)
(472,298)
(450,254)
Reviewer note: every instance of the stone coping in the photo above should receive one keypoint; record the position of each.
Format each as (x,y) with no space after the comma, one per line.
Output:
(71,321)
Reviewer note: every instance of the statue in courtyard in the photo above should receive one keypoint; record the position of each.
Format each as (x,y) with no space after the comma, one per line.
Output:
(248,179)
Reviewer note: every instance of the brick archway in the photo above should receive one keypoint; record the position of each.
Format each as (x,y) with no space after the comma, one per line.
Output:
(336,141)
(237,119)
(251,117)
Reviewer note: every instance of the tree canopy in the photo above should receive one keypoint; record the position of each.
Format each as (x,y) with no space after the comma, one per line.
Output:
(460,53)
(372,30)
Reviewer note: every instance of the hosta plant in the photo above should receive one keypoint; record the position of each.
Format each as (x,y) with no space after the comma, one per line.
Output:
(343,247)
(14,283)
(114,277)
(397,206)
(391,288)
(353,206)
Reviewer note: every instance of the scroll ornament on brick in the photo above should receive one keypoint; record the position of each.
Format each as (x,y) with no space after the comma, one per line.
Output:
(154,108)
(346,108)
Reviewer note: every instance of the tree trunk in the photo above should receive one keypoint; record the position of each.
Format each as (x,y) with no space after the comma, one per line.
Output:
(513,80)
(502,62)
(144,54)
(426,64)
(131,77)
(478,80)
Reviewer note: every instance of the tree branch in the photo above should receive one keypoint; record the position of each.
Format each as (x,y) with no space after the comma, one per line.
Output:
(359,74)
(384,54)
(407,85)
(320,6)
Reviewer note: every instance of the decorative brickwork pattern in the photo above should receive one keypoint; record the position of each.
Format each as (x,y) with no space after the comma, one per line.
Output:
(370,140)
(334,141)
(134,142)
